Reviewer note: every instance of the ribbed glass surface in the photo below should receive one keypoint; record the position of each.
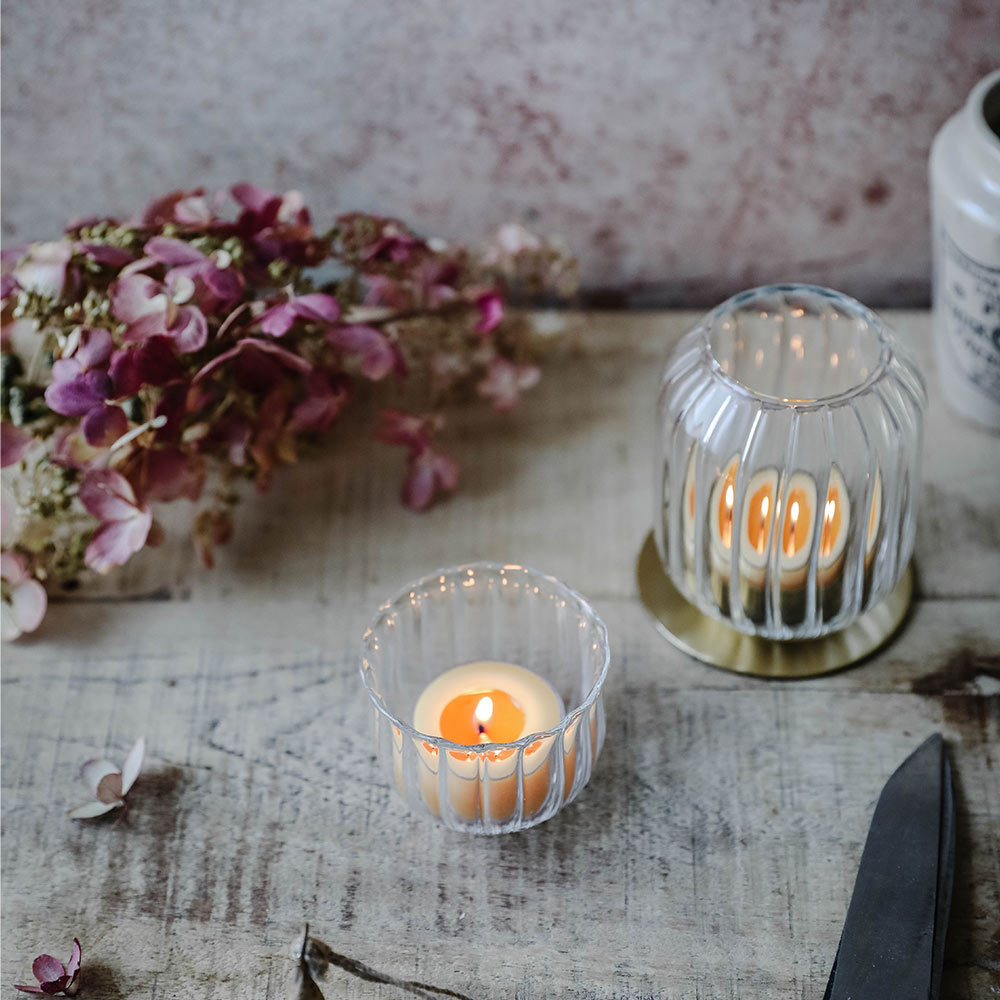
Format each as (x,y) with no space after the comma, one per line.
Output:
(789,433)
(466,614)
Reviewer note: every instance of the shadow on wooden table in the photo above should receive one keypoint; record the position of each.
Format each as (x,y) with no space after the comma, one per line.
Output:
(100,980)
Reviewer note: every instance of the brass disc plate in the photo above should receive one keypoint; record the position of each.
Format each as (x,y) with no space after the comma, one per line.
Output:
(714,642)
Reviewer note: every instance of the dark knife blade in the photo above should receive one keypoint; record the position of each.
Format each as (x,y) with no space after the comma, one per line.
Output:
(892,945)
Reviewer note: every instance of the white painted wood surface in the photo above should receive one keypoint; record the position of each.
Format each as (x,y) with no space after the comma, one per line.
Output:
(712,855)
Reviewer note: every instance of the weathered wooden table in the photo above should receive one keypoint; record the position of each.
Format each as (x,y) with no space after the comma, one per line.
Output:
(713,853)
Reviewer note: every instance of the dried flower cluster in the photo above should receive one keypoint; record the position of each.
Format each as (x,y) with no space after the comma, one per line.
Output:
(140,356)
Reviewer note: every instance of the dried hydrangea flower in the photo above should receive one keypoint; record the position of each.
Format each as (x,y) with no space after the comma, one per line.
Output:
(147,359)
(54,977)
(109,785)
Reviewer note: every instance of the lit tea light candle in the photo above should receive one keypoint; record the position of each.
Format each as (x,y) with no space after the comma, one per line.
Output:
(832,544)
(720,521)
(495,703)
(836,516)
(759,510)
(798,522)
(872,537)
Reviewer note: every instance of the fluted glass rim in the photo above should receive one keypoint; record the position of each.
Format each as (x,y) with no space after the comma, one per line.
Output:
(889,346)
(569,717)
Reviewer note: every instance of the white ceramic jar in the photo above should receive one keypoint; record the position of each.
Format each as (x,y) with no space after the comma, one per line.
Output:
(965,213)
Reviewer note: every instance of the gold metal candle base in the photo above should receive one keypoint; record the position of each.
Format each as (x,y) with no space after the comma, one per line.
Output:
(714,642)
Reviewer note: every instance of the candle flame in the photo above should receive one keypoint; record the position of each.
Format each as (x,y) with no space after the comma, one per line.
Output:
(730,496)
(794,512)
(484,710)
(765,503)
(831,510)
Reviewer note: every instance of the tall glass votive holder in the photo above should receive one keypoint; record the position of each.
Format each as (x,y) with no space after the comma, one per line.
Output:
(789,430)
(487,613)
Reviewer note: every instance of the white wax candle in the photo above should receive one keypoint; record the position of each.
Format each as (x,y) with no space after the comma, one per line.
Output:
(834,523)
(490,702)
(755,525)
(797,526)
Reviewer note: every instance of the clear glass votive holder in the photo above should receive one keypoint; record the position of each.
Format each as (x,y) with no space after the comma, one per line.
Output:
(487,612)
(789,434)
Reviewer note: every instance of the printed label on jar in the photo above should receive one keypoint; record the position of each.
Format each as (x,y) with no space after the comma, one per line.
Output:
(969,298)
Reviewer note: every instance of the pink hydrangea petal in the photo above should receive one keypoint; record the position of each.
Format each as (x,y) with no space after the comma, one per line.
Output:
(155,361)
(90,810)
(108,495)
(47,969)
(66,369)
(399,427)
(124,372)
(376,351)
(73,965)
(93,771)
(428,472)
(135,297)
(170,251)
(504,381)
(223,282)
(190,331)
(318,307)
(153,325)
(418,486)
(133,764)
(490,307)
(278,320)
(164,209)
(104,425)
(117,541)
(95,348)
(193,210)
(44,269)
(104,254)
(13,568)
(78,396)
(136,267)
(13,444)
(252,197)
(29,601)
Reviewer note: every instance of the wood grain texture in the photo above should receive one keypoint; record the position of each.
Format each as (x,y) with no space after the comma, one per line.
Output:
(712,855)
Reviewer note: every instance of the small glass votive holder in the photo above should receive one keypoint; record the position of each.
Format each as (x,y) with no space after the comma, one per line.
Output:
(789,434)
(487,613)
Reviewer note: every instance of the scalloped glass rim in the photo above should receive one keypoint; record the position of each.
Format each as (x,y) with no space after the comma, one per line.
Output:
(706,324)
(525,741)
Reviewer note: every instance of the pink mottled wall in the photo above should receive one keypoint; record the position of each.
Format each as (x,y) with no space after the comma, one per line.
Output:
(685,149)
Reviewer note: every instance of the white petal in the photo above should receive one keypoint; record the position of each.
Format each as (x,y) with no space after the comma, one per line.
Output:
(92,772)
(183,290)
(9,628)
(91,809)
(29,601)
(133,764)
